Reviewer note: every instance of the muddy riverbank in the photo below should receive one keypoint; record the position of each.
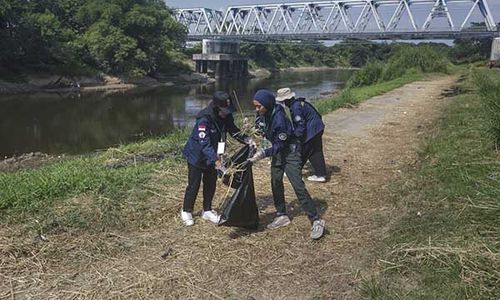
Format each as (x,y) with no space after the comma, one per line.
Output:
(64,84)
(104,83)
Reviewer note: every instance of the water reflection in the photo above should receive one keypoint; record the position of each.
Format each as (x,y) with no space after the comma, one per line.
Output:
(72,123)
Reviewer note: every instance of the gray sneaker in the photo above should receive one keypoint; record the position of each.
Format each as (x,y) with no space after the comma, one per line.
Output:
(317,229)
(279,222)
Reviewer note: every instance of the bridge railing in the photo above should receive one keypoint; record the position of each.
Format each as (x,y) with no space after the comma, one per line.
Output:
(339,17)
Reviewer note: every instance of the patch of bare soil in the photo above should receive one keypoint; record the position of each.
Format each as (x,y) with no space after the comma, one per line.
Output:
(366,148)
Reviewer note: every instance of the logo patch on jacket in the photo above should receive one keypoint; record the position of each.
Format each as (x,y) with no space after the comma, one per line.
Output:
(202,135)
(282,136)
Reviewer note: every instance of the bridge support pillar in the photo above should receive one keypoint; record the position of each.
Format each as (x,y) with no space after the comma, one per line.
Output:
(221,59)
(495,53)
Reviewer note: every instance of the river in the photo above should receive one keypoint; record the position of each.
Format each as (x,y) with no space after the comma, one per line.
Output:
(81,123)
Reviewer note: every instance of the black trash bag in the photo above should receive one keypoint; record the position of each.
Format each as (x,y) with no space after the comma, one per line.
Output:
(241,209)
(238,158)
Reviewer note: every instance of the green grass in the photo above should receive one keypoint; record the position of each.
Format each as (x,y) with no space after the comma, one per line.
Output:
(109,179)
(353,96)
(447,243)
(489,90)
(422,58)
(405,65)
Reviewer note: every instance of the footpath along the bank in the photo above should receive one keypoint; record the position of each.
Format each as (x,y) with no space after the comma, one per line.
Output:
(367,148)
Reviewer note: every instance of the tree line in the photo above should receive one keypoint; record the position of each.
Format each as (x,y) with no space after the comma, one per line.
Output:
(134,37)
(140,37)
(355,53)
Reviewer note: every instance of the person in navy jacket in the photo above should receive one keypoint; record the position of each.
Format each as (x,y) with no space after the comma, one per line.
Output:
(286,158)
(308,127)
(203,151)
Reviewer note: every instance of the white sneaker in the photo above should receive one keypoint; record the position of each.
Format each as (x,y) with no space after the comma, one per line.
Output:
(210,215)
(187,218)
(316,178)
(317,229)
(278,222)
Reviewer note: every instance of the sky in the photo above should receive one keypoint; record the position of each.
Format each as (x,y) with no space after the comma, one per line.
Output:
(222,4)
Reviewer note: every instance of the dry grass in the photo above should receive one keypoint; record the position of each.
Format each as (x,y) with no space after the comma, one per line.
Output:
(155,256)
(475,261)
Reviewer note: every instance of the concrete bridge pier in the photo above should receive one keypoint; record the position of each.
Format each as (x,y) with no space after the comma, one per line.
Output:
(221,59)
(495,49)
(495,54)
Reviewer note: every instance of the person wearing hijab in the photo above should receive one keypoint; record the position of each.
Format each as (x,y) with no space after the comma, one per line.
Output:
(285,156)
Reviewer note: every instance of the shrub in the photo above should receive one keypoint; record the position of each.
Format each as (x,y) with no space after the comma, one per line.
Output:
(423,58)
(369,74)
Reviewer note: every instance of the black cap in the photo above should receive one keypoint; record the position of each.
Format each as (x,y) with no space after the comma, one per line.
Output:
(221,99)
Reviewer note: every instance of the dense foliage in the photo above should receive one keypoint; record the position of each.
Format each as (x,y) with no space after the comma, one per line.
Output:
(470,50)
(358,53)
(140,37)
(350,53)
(134,37)
(423,58)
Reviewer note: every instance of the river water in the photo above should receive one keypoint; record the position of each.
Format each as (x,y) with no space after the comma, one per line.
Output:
(81,123)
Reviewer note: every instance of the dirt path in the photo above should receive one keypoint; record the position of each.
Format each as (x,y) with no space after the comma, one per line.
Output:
(367,148)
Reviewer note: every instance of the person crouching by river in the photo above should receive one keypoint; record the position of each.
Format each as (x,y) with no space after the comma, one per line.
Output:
(286,158)
(203,152)
(308,127)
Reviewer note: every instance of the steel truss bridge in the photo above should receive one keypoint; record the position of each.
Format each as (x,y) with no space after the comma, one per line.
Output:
(331,20)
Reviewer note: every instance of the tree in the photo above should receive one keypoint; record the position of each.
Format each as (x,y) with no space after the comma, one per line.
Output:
(470,50)
(134,37)
(144,35)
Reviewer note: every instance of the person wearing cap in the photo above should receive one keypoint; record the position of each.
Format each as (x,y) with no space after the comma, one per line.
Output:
(308,128)
(203,152)
(286,158)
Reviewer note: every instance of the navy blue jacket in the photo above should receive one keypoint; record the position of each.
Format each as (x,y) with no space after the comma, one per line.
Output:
(201,147)
(306,120)
(277,129)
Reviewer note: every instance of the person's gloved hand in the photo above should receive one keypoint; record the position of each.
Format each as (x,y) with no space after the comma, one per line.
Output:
(251,142)
(257,156)
(219,167)
(246,124)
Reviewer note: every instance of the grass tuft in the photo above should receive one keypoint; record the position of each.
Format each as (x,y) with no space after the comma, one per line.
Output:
(488,87)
